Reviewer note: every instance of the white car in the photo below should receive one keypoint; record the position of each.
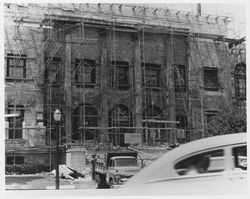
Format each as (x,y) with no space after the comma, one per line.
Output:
(209,166)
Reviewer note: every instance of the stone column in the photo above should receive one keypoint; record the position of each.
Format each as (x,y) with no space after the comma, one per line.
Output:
(138,84)
(170,83)
(104,87)
(67,87)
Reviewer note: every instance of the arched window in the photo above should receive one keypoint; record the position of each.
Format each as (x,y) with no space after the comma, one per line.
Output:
(84,115)
(156,128)
(153,112)
(240,81)
(119,116)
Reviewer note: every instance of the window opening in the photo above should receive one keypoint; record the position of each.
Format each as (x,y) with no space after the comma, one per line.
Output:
(211,81)
(152,75)
(120,75)
(87,119)
(15,123)
(16,66)
(240,81)
(180,78)
(85,74)
(52,74)
(208,162)
(240,157)
(119,116)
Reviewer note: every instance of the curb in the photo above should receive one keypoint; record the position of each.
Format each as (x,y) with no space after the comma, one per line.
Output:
(64,187)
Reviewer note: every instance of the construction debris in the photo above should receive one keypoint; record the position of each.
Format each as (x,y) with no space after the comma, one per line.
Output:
(69,173)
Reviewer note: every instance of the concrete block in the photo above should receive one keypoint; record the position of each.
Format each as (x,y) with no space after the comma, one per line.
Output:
(76,157)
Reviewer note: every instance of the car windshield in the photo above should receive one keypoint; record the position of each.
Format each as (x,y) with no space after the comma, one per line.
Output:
(125,162)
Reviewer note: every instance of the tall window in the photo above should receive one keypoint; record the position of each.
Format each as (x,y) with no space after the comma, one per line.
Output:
(120,75)
(16,66)
(84,115)
(211,81)
(240,81)
(85,72)
(151,75)
(52,72)
(182,121)
(151,113)
(15,123)
(119,116)
(180,78)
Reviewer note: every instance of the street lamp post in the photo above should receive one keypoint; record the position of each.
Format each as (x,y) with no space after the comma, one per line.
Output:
(57,118)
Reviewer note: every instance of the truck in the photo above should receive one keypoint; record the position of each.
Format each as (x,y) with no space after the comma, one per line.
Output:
(115,168)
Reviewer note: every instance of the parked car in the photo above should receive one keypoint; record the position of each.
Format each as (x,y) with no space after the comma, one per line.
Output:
(209,166)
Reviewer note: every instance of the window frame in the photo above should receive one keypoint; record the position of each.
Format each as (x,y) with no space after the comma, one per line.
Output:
(86,63)
(237,79)
(14,57)
(115,78)
(198,153)
(153,67)
(90,119)
(180,88)
(232,154)
(205,76)
(54,66)
(13,130)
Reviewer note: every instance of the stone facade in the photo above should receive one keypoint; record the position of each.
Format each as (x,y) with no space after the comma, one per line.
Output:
(150,51)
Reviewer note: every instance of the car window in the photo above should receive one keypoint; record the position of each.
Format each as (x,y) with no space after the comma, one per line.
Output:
(125,162)
(240,157)
(207,162)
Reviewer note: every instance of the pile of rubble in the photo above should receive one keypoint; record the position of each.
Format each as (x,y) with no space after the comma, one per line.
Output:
(69,173)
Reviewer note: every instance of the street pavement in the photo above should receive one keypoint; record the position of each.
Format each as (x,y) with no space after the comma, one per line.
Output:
(46,181)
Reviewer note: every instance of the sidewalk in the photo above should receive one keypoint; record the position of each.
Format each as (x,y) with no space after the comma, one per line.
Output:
(43,182)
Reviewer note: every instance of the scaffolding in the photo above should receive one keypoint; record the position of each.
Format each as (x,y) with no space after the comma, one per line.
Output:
(140,22)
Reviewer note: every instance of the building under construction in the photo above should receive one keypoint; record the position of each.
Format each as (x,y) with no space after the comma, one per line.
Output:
(112,70)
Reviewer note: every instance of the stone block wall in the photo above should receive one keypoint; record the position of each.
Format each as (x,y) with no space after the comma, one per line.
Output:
(26,92)
(104,44)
